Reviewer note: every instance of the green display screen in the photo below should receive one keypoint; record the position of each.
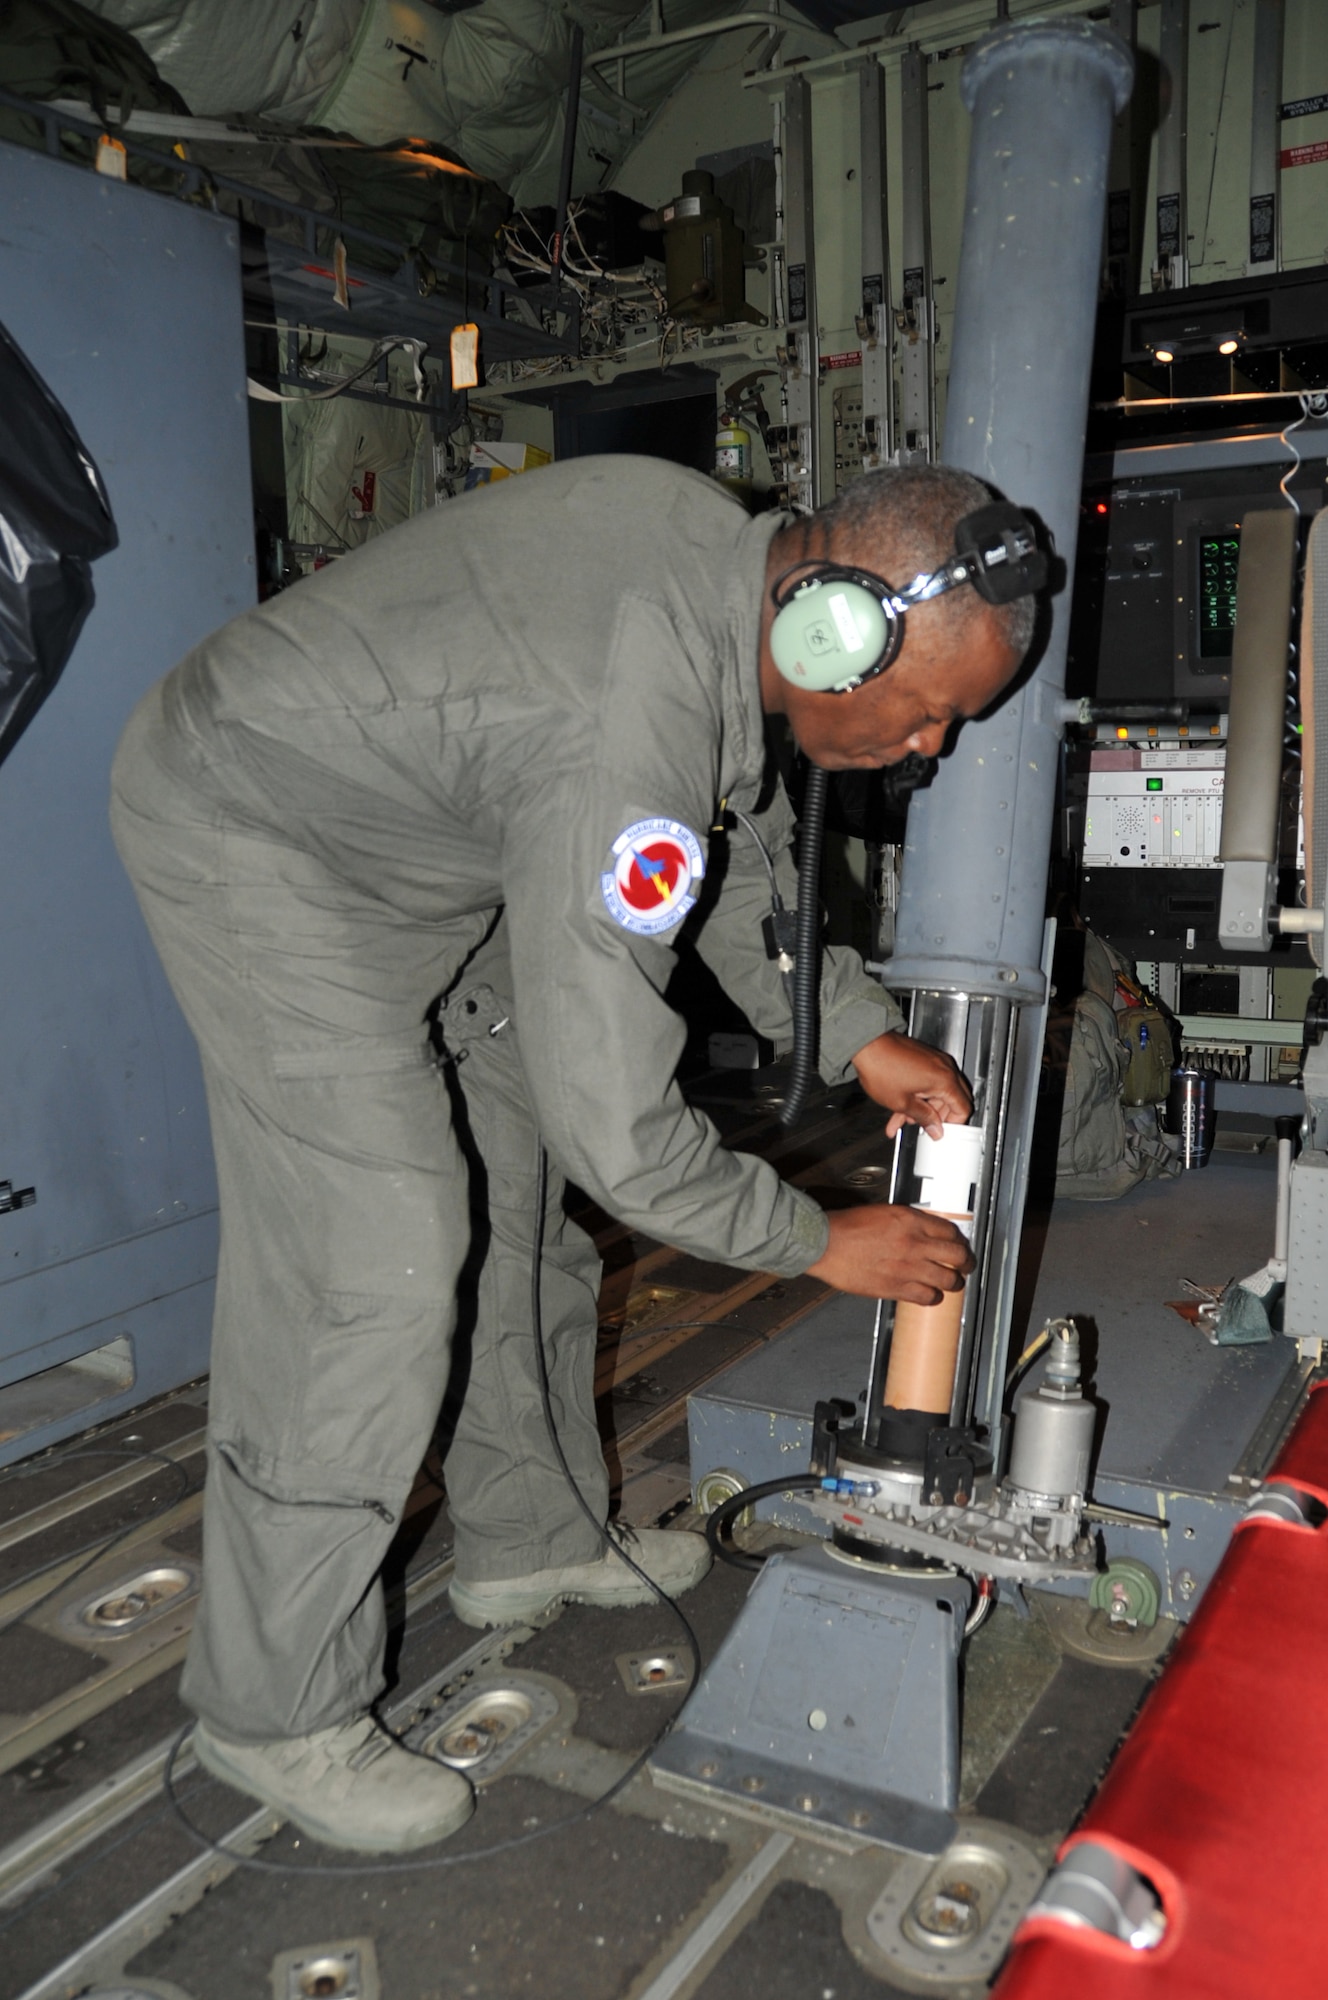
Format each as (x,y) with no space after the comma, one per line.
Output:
(1152,784)
(1219,563)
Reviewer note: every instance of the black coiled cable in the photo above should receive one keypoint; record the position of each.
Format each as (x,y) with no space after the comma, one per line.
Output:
(807,958)
(738,1503)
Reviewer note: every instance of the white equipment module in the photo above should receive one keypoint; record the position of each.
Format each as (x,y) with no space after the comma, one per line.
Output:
(1153,808)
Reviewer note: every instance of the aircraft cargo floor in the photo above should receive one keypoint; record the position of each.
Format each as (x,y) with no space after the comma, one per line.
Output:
(655,1896)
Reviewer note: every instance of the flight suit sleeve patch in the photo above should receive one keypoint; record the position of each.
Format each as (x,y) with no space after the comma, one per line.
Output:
(653,876)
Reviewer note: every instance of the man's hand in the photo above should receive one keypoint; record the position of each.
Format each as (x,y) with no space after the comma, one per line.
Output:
(889,1252)
(919,1085)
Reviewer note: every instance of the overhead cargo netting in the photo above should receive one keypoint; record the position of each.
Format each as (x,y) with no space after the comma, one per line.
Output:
(51,49)
(489,82)
(249,55)
(418,199)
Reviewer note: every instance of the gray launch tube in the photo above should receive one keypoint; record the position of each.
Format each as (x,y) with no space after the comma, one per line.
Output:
(1043,98)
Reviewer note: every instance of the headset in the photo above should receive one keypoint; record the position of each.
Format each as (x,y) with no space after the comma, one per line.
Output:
(836,627)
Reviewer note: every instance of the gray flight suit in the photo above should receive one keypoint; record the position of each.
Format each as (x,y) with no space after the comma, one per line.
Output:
(397,784)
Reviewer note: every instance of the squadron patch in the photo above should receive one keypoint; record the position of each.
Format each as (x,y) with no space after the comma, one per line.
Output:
(655,874)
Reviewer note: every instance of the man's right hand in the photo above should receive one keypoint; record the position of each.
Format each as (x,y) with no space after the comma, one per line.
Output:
(892,1252)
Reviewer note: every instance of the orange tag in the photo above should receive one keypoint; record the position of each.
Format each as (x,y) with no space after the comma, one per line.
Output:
(112,159)
(340,292)
(466,356)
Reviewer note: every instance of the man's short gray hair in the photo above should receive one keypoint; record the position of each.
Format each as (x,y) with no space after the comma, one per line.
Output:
(909,513)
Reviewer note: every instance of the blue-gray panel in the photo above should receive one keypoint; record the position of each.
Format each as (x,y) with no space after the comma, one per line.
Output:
(59,1311)
(1178,1411)
(128,304)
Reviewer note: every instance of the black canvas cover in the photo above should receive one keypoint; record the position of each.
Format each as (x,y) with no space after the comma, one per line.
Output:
(55,520)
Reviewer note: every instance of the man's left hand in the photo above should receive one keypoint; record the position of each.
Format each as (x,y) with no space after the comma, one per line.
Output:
(918,1085)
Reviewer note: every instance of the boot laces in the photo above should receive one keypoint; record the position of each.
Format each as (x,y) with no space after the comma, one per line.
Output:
(376,1744)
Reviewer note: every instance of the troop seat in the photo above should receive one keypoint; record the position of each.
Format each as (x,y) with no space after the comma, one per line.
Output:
(1219,1796)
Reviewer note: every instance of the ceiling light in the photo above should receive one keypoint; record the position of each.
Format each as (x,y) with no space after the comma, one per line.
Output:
(1231,345)
(1163,354)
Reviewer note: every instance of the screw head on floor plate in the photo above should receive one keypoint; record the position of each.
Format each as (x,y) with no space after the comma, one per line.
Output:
(343,1969)
(951,1911)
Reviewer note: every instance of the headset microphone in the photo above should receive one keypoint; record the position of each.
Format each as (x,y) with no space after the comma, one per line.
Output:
(836,626)
(900,781)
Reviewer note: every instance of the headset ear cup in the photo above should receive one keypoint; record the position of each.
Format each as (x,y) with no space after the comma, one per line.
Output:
(832,632)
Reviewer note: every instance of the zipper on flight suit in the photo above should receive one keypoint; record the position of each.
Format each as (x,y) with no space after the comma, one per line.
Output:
(378,1507)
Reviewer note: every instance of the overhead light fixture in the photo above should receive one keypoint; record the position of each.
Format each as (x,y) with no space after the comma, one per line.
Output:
(1197,331)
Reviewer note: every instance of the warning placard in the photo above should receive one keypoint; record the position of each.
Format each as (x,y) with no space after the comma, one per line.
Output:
(1303,156)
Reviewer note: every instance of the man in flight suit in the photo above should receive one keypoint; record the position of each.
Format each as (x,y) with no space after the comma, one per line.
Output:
(415,841)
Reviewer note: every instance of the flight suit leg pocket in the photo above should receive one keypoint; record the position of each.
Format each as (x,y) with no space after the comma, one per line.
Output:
(482,1059)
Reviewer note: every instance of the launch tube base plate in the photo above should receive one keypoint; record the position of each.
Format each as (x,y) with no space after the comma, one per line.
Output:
(979,1540)
(766,1790)
(834,1700)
